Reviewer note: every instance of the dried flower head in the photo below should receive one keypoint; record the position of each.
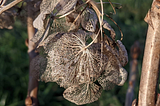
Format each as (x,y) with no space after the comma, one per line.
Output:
(75,54)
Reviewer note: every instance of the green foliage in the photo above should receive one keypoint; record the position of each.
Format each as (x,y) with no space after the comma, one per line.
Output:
(14,60)
(13,66)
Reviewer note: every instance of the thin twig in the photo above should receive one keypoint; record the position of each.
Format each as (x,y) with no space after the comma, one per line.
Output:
(4,8)
(101,23)
(108,3)
(117,26)
(31,99)
(112,6)
(2,3)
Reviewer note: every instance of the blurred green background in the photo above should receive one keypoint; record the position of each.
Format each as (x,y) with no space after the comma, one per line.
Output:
(14,60)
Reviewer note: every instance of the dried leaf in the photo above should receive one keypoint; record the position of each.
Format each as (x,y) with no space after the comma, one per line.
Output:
(83,93)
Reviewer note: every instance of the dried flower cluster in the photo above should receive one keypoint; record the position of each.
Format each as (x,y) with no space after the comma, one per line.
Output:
(74,54)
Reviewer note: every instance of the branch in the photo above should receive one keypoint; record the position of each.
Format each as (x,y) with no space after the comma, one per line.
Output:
(150,67)
(4,8)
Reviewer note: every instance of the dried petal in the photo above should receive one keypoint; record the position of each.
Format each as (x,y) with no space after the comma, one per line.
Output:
(89,20)
(123,56)
(122,76)
(114,74)
(110,77)
(46,7)
(83,93)
(109,28)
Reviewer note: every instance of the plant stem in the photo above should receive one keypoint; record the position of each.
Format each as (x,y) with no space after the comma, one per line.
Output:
(33,82)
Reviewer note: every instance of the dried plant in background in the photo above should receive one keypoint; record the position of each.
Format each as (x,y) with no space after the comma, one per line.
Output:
(135,52)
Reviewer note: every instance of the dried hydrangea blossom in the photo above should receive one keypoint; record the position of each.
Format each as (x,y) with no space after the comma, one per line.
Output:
(73,66)
(66,56)
(70,62)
